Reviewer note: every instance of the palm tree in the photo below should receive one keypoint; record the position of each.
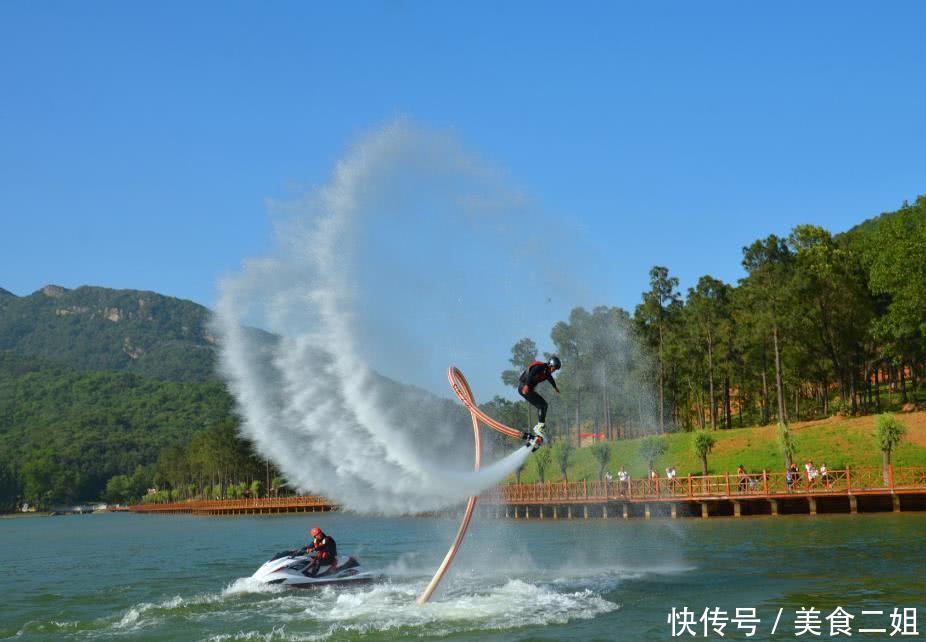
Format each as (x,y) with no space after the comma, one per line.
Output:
(889,433)
(703,444)
(562,451)
(602,454)
(542,460)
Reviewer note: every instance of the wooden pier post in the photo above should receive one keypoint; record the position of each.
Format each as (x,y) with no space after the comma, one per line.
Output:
(646,511)
(569,512)
(737,509)
(812,502)
(853,504)
(555,515)
(895,500)
(585,511)
(604,511)
(674,510)
(774,503)
(626,511)
(704,511)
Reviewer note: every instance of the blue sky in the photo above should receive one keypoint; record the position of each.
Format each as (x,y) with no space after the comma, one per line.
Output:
(139,141)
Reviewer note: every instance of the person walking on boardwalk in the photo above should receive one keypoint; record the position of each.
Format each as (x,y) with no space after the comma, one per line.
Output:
(533,375)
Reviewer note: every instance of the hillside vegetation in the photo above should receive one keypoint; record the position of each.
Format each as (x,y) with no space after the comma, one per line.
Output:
(64,433)
(91,328)
(819,324)
(837,441)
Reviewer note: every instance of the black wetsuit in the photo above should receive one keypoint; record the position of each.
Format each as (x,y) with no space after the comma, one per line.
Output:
(323,552)
(326,549)
(535,373)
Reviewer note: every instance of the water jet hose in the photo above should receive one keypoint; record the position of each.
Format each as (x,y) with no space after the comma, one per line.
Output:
(461,388)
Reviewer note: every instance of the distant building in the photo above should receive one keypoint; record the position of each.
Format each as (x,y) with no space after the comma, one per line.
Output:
(586,438)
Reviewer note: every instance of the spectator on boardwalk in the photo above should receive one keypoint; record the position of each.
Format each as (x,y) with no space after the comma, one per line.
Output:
(608,479)
(654,481)
(824,475)
(795,476)
(789,477)
(742,481)
(623,480)
(670,476)
(811,473)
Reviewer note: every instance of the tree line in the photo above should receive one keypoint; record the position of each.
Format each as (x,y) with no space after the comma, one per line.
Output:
(217,463)
(64,433)
(819,324)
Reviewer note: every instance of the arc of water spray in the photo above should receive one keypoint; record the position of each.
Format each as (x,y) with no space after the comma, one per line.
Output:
(461,388)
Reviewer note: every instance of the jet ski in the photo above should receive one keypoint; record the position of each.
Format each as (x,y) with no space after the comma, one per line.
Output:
(290,568)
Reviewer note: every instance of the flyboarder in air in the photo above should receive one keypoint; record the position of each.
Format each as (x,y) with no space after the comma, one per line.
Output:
(535,373)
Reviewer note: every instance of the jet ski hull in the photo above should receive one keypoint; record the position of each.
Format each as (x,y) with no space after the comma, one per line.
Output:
(295,571)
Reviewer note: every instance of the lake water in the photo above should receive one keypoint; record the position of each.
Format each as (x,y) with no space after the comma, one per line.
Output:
(186,578)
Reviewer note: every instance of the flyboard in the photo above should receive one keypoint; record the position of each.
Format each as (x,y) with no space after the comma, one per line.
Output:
(461,388)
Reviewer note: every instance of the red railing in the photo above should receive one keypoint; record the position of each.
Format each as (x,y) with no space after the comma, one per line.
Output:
(731,485)
(209,505)
(910,476)
(695,487)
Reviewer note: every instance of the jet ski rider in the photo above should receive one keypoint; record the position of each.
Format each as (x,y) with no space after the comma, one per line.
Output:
(323,550)
(535,373)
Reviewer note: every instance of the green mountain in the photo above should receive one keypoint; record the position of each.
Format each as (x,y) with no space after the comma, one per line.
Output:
(97,382)
(92,328)
(65,431)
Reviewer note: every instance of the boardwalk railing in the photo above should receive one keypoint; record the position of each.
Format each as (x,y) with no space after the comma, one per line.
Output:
(236,505)
(699,487)
(855,481)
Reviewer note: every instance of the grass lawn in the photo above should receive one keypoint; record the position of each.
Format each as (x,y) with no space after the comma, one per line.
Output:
(836,441)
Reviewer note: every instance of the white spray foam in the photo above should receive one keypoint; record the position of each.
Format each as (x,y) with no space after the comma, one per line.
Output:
(511,605)
(468,605)
(308,400)
(245,585)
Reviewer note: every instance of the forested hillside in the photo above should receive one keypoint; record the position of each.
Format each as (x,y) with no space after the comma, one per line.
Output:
(819,324)
(91,328)
(64,432)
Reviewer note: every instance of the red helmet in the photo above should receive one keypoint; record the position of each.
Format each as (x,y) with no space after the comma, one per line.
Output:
(315,532)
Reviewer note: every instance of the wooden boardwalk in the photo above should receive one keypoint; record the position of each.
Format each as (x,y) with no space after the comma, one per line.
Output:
(847,491)
(260,506)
